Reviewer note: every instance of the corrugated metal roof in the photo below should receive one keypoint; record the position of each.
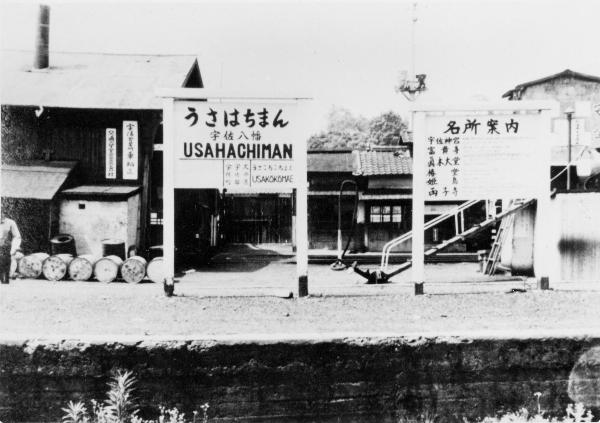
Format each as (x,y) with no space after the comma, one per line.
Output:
(101,191)
(37,180)
(330,161)
(382,162)
(91,80)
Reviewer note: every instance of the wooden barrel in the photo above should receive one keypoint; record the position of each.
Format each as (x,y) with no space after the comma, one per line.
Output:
(54,267)
(82,268)
(134,269)
(107,268)
(63,244)
(30,266)
(155,270)
(113,247)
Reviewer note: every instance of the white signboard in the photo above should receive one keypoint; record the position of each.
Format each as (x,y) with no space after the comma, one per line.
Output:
(579,135)
(130,149)
(111,153)
(481,156)
(241,147)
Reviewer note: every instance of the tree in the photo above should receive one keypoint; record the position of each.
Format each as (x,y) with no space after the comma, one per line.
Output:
(387,129)
(347,131)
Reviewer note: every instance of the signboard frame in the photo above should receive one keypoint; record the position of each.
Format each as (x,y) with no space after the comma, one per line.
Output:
(300,184)
(545,110)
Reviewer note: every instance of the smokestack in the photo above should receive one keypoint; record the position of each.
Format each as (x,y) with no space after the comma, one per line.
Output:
(41,60)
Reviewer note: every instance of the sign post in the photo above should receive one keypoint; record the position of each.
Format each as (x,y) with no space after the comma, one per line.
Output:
(241,144)
(480,152)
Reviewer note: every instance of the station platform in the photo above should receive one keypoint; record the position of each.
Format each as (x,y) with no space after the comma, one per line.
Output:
(233,253)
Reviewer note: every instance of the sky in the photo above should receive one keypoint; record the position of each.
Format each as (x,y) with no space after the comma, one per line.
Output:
(343,53)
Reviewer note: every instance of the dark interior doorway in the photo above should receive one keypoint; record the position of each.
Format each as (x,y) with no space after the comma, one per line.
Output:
(194,225)
(266,218)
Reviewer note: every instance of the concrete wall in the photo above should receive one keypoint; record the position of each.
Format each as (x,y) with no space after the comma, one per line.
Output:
(573,233)
(576,237)
(301,380)
(99,220)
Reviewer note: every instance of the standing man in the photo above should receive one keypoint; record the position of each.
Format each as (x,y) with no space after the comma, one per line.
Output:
(10,242)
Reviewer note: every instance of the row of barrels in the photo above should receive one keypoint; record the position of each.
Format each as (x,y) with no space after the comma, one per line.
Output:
(82,268)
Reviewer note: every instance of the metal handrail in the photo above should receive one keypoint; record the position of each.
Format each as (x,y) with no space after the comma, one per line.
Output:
(385,253)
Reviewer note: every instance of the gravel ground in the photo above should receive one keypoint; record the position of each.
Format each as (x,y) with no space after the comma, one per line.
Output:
(339,303)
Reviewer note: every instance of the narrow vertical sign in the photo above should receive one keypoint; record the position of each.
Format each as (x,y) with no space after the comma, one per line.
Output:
(130,149)
(111,153)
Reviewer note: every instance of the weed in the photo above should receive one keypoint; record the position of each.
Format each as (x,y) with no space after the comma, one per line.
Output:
(121,407)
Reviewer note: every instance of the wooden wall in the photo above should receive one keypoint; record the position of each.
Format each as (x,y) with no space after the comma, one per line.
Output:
(75,134)
(80,134)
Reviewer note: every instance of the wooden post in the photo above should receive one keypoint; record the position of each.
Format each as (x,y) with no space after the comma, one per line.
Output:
(361,240)
(294,219)
(544,260)
(301,211)
(168,192)
(418,207)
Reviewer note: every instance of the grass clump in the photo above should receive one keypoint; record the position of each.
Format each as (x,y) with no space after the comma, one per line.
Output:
(120,406)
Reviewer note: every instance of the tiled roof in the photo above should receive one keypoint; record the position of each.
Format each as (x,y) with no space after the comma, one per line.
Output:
(382,162)
(330,161)
(92,80)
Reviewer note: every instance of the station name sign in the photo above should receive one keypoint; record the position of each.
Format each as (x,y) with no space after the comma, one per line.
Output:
(241,147)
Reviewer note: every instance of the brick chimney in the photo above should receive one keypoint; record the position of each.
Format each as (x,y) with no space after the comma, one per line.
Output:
(41,60)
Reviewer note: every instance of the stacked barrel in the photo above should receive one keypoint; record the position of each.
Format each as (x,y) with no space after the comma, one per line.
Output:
(63,263)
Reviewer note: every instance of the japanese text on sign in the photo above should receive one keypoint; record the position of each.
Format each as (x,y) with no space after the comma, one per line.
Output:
(130,149)
(474,157)
(239,147)
(111,153)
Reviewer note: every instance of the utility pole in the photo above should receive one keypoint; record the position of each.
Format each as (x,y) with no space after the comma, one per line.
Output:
(412,85)
(569,112)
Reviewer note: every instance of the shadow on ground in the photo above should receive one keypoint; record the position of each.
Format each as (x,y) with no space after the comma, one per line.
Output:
(242,258)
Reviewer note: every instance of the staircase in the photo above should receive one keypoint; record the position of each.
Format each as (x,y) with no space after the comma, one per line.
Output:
(461,234)
(456,213)
(491,264)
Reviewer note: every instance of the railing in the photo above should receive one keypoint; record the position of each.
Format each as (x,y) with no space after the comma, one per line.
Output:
(455,213)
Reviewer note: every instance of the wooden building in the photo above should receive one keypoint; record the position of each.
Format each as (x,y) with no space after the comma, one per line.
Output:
(383,177)
(385,204)
(86,125)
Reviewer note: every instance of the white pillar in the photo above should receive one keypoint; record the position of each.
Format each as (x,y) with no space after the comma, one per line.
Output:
(168,191)
(302,227)
(544,259)
(418,202)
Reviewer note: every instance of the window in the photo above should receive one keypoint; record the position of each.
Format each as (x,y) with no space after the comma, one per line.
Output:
(385,214)
(156,218)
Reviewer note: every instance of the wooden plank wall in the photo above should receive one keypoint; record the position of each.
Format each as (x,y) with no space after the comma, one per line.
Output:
(75,134)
